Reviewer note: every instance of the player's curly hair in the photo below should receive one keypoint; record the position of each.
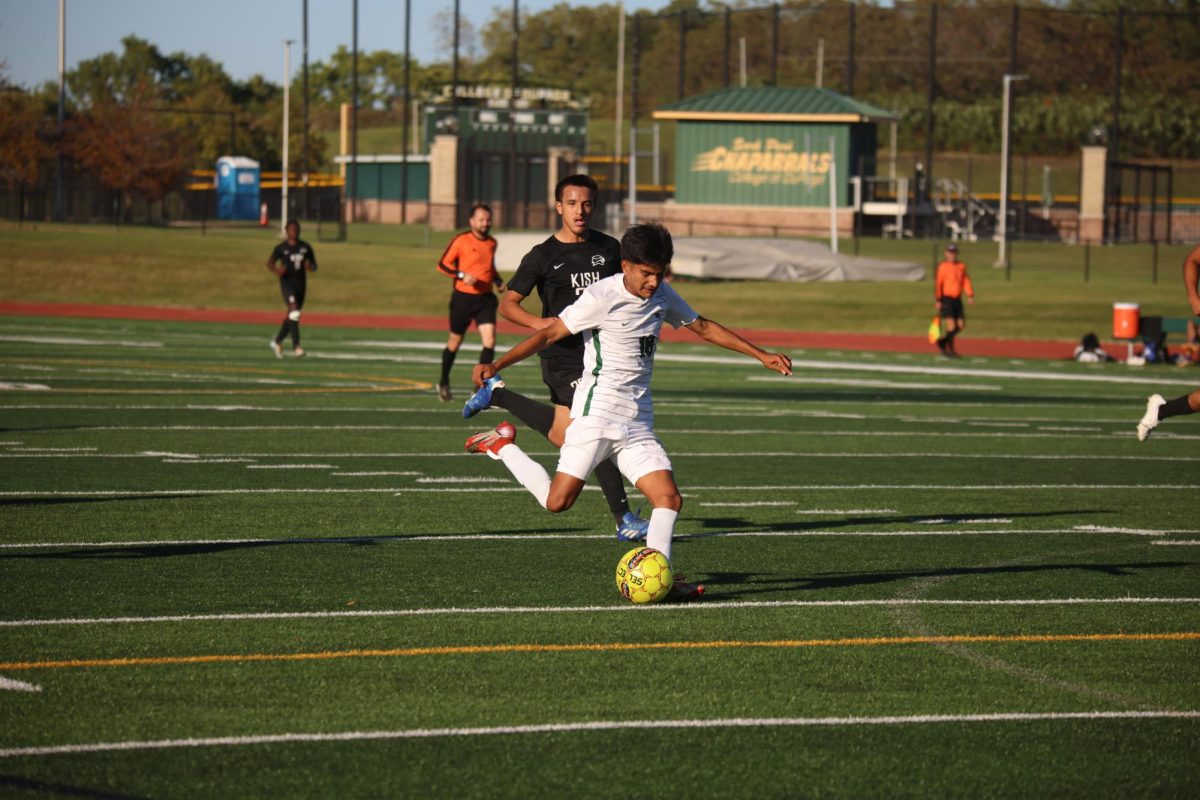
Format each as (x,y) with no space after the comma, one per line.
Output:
(586,181)
(648,243)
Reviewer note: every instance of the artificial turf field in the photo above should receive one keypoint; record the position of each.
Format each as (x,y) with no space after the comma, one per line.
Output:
(223,575)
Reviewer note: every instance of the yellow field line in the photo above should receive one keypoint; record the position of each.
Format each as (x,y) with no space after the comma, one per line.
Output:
(408,652)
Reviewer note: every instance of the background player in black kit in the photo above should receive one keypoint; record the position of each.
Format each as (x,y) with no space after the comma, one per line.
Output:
(292,260)
(560,268)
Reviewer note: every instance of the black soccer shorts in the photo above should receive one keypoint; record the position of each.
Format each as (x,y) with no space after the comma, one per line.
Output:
(561,375)
(293,292)
(952,307)
(466,307)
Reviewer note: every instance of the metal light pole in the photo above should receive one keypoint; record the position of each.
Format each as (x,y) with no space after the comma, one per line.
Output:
(407,106)
(510,198)
(59,211)
(352,173)
(304,153)
(287,82)
(1005,126)
(616,166)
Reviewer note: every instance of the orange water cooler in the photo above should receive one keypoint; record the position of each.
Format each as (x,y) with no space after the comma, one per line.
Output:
(1126,319)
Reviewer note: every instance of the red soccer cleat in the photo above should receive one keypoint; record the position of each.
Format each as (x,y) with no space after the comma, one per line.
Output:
(683,592)
(491,441)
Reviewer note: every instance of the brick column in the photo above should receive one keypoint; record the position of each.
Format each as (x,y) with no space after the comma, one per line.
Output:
(443,182)
(1093,171)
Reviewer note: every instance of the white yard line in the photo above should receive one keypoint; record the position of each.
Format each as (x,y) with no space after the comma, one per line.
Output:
(291,466)
(402,490)
(77,342)
(847,365)
(734,605)
(1119,529)
(846,511)
(753,504)
(10,685)
(950,372)
(681,407)
(31,452)
(876,383)
(587,727)
(534,537)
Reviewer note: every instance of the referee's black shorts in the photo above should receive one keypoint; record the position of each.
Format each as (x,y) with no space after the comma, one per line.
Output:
(466,307)
(952,307)
(561,375)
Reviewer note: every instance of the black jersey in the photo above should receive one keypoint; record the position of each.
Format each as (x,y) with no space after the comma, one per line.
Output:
(560,272)
(293,258)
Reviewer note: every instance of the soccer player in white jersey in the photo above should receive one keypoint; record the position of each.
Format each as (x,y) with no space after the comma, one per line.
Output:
(612,412)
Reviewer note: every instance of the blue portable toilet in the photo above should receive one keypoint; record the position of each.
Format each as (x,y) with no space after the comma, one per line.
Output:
(237,187)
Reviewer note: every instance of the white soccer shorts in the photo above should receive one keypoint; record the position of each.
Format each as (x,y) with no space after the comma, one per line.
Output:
(590,440)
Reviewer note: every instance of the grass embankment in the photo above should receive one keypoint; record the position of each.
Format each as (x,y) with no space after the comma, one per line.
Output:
(390,270)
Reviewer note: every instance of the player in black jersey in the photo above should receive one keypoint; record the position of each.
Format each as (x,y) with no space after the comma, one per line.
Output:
(291,260)
(560,268)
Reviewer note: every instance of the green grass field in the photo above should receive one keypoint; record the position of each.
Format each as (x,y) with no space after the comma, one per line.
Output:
(226,575)
(386,269)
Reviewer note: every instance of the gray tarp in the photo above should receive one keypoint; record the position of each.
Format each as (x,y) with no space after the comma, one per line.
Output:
(782,260)
(745,259)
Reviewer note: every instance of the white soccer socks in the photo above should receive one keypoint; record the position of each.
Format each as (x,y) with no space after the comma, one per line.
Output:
(528,472)
(662,528)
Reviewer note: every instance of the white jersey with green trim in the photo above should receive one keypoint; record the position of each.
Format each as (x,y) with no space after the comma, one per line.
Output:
(620,335)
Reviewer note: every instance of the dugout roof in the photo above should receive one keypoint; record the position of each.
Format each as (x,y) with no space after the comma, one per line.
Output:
(773,104)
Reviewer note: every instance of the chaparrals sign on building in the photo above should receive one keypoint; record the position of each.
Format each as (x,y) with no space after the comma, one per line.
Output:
(769,146)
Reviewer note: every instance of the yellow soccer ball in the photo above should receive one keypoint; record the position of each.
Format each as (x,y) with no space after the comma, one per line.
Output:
(644,575)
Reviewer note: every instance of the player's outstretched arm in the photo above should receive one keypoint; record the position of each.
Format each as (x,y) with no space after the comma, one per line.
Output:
(718,334)
(533,344)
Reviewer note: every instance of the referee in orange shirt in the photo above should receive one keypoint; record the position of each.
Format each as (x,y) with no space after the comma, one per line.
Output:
(471,260)
(952,280)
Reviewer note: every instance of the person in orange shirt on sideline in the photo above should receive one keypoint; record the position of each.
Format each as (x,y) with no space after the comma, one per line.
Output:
(471,260)
(948,287)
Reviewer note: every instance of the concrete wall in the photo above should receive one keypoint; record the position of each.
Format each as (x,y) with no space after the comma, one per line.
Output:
(388,211)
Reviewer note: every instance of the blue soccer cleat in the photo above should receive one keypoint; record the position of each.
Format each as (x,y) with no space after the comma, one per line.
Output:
(483,398)
(632,528)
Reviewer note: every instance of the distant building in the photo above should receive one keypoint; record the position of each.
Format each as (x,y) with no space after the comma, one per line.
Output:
(762,157)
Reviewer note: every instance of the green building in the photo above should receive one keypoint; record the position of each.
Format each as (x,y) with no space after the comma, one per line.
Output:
(770,146)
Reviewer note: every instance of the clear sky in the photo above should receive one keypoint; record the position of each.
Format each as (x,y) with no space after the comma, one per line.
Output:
(246,36)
